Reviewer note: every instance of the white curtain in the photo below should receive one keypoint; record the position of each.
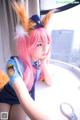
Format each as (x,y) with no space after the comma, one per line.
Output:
(7,23)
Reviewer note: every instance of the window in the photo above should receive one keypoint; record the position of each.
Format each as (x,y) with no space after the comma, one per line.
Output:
(65,31)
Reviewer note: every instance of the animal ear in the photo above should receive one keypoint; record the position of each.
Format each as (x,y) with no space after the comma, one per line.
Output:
(46,18)
(21,13)
(31,25)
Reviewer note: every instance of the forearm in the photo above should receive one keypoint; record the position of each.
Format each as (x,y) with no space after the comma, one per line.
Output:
(33,111)
(47,74)
(28,104)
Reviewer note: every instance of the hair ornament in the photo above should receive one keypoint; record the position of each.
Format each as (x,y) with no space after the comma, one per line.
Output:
(46,18)
(36,19)
(33,22)
(20,32)
(21,13)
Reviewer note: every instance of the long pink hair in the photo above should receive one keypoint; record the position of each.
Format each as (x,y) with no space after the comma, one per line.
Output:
(26,46)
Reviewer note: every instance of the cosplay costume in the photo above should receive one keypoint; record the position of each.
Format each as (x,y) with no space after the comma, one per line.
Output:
(15,66)
(8,95)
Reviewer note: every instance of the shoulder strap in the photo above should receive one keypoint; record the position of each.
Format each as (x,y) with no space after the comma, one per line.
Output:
(15,58)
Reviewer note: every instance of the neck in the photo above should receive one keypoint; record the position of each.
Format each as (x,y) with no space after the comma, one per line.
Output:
(34,59)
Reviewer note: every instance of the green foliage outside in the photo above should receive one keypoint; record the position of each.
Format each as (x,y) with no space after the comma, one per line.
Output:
(64,1)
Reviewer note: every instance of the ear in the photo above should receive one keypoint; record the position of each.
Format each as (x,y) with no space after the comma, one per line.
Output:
(21,13)
(46,18)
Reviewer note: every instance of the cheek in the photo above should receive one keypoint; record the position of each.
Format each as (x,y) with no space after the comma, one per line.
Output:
(37,52)
(47,47)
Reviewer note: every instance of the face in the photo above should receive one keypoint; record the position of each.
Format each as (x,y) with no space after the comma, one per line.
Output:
(41,51)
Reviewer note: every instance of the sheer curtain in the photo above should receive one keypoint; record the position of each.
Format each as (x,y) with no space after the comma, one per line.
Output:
(7,23)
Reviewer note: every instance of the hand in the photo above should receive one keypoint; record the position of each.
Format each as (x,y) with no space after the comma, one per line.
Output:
(46,57)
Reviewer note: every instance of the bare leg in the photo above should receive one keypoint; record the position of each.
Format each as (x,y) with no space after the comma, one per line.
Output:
(4,108)
(17,113)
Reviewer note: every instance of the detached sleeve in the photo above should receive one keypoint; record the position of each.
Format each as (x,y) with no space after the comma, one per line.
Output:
(12,71)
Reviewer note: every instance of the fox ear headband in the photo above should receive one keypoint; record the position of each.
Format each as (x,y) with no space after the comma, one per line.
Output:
(30,23)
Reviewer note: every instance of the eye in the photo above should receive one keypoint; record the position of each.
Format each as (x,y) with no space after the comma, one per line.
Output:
(40,44)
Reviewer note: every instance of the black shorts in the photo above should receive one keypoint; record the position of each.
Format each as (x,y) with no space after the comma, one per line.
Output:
(8,95)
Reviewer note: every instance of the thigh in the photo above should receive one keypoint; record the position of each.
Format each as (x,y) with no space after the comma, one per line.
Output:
(17,113)
(4,108)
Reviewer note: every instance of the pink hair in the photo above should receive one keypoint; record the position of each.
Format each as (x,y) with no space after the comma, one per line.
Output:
(25,46)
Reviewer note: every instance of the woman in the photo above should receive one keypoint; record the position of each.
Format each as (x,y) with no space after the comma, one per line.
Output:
(33,48)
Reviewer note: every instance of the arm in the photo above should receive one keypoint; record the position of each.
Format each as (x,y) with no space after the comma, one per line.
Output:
(46,71)
(26,101)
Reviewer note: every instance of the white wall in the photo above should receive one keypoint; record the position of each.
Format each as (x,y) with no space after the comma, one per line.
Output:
(34,7)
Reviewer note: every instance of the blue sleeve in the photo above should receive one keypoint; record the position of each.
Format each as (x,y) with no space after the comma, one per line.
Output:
(12,71)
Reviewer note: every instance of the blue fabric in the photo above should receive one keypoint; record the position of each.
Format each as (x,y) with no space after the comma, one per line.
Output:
(7,94)
(36,64)
(16,72)
(19,65)
(36,19)
(11,97)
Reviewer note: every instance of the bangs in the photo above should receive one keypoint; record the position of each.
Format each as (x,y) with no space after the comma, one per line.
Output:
(37,35)
(44,37)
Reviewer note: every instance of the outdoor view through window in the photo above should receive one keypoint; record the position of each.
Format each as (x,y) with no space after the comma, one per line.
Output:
(65,31)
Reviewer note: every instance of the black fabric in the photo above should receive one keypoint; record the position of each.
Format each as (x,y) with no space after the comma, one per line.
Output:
(32,92)
(8,95)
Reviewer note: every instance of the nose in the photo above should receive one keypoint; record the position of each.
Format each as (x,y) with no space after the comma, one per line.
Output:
(46,48)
